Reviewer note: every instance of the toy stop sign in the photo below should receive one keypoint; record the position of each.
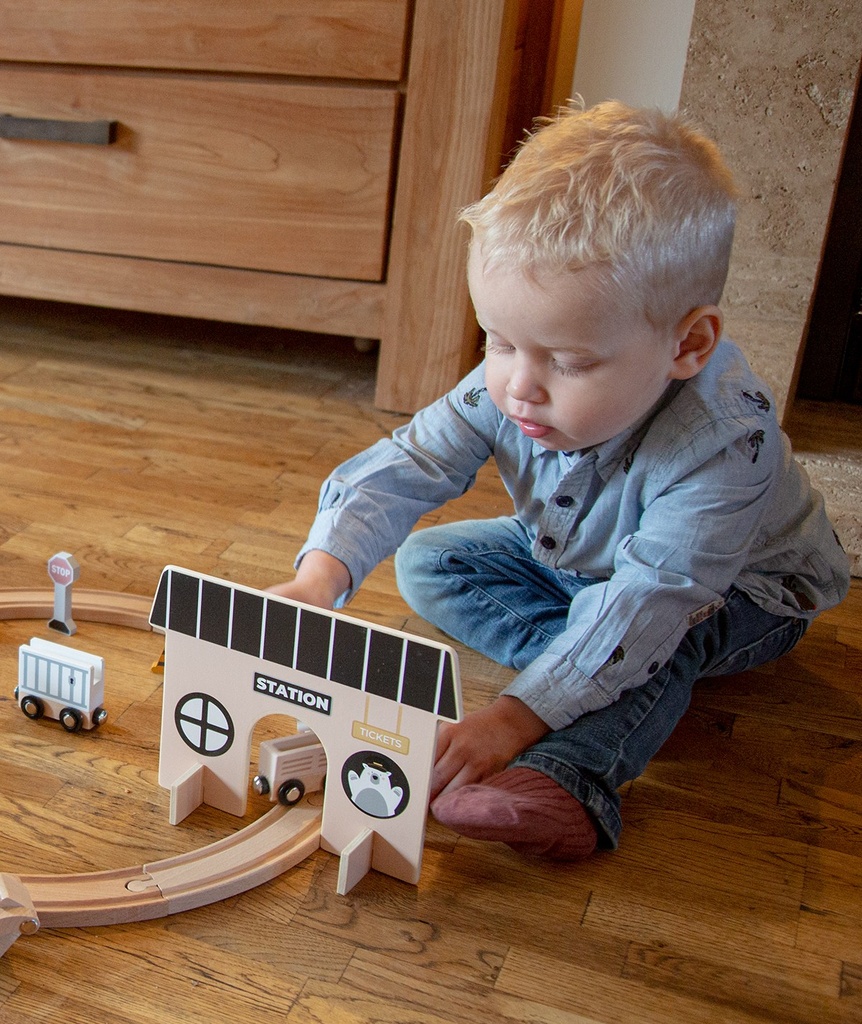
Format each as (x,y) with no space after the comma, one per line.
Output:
(63,569)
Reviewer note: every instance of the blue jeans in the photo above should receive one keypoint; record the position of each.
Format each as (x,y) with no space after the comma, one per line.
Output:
(478,582)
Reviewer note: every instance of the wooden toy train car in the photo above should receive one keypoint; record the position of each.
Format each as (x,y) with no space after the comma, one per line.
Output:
(61,683)
(290,767)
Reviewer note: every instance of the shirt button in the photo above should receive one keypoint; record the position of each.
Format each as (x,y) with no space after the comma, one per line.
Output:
(548,543)
(565,501)
(653,668)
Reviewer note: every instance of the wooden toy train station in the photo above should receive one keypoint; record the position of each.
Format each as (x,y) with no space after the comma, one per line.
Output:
(372,696)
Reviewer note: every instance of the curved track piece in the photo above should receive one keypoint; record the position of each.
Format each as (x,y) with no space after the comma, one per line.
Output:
(258,853)
(108,606)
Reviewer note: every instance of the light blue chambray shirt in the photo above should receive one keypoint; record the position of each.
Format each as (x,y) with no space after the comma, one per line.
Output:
(701,495)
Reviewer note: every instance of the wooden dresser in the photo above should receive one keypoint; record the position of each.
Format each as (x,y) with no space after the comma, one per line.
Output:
(294,163)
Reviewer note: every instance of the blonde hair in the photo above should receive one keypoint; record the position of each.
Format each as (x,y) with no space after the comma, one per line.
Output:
(639,192)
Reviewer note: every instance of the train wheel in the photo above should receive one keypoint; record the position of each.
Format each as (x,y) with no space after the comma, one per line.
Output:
(71,720)
(260,783)
(291,792)
(32,707)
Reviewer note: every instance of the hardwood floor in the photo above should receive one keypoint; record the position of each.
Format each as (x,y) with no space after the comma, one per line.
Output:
(736,895)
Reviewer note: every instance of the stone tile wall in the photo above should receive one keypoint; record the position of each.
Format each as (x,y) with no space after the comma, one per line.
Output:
(772,82)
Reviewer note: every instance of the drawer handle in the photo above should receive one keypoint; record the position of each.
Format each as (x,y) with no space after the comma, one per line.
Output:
(43,129)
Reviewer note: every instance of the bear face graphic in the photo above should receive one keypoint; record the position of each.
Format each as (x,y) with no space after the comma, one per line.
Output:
(372,791)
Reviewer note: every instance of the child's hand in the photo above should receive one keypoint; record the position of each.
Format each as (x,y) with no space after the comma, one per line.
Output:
(319,581)
(483,743)
(302,592)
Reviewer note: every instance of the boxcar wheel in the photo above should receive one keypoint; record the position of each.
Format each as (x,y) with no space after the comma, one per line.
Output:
(291,792)
(32,707)
(71,720)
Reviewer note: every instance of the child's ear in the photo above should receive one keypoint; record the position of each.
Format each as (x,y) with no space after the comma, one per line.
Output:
(696,336)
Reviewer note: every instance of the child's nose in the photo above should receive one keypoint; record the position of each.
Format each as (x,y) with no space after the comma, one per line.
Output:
(523,385)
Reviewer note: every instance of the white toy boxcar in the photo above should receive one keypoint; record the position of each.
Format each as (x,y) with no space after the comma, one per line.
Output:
(61,683)
(290,767)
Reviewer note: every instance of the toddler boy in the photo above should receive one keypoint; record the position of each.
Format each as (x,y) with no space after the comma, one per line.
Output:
(662,531)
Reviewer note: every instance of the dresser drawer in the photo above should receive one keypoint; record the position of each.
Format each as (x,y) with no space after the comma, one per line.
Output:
(243,172)
(329,38)
(295,163)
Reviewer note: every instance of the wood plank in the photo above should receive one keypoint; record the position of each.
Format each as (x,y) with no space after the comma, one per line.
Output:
(375,988)
(801,702)
(606,998)
(445,164)
(349,39)
(164,978)
(732,990)
(187,289)
(831,918)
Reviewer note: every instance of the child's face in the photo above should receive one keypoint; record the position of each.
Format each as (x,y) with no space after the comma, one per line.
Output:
(564,363)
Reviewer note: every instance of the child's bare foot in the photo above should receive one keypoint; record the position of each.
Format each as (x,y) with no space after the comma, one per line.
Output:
(524,809)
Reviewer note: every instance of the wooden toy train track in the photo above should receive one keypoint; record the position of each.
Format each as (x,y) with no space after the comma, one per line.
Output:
(256,854)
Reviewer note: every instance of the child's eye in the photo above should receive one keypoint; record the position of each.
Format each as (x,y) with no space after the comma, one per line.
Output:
(571,369)
(494,347)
